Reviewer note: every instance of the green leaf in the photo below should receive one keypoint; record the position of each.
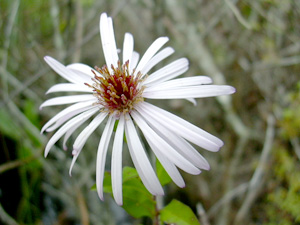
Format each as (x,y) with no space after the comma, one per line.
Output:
(179,214)
(137,201)
(163,176)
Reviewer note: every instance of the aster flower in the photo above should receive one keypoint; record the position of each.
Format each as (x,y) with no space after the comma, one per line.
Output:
(117,92)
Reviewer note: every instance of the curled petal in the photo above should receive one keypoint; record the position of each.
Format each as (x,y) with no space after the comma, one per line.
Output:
(181,127)
(81,117)
(161,146)
(84,135)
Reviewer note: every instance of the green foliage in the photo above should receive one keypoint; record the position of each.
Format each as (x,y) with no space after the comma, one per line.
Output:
(31,112)
(179,214)
(87,3)
(283,203)
(30,178)
(8,126)
(290,122)
(137,201)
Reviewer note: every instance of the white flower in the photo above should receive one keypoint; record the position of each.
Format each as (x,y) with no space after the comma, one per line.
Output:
(118,92)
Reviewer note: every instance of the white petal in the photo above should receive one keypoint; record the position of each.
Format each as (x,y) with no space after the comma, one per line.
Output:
(73,163)
(179,144)
(160,145)
(79,106)
(104,35)
(85,71)
(62,120)
(108,41)
(171,169)
(181,127)
(67,100)
(157,58)
(71,131)
(151,51)
(66,127)
(128,48)
(134,61)
(116,162)
(192,100)
(84,135)
(180,82)
(114,51)
(140,159)
(63,71)
(66,87)
(190,92)
(168,72)
(101,154)
(83,68)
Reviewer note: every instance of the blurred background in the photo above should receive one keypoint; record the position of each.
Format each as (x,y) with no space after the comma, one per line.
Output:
(251,45)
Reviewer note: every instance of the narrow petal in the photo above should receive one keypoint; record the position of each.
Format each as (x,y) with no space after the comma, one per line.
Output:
(66,127)
(63,71)
(160,145)
(84,135)
(79,106)
(84,69)
(73,163)
(192,100)
(101,154)
(128,48)
(134,61)
(68,87)
(67,100)
(180,82)
(69,133)
(171,169)
(62,120)
(151,51)
(116,162)
(181,127)
(202,91)
(168,72)
(166,52)
(104,35)
(114,51)
(179,144)
(108,41)
(140,159)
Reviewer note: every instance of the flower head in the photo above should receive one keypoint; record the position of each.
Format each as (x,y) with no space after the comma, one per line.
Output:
(118,91)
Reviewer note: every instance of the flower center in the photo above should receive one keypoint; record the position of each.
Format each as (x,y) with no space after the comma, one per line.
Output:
(118,90)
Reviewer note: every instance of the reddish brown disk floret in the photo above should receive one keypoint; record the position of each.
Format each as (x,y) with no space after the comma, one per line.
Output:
(118,90)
